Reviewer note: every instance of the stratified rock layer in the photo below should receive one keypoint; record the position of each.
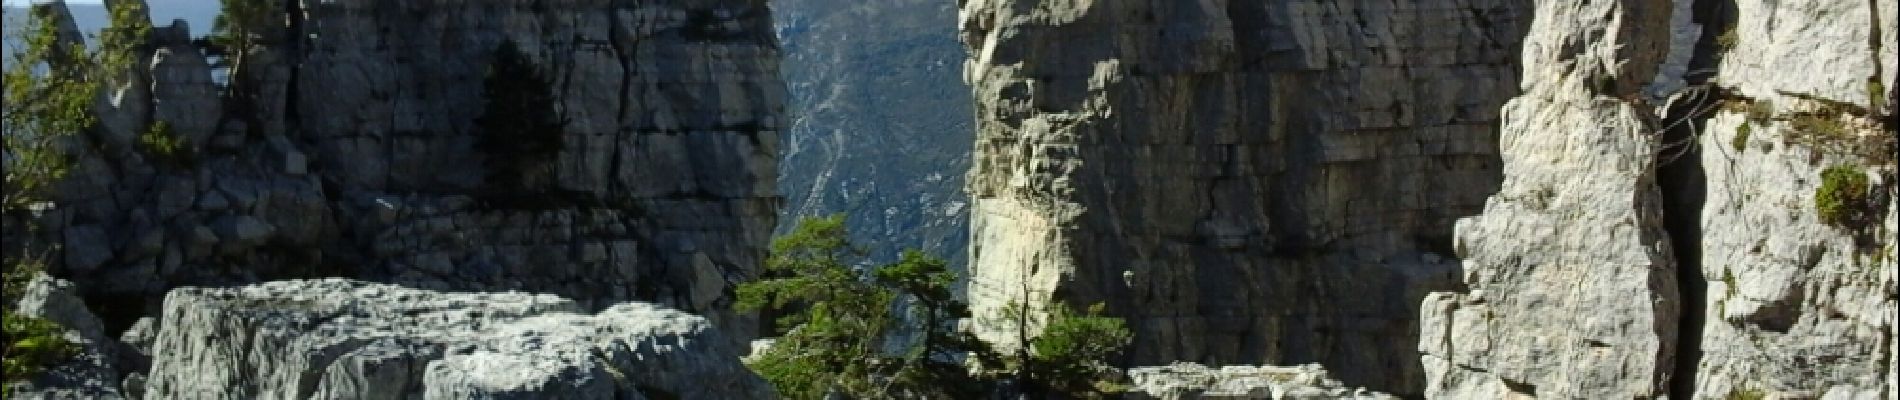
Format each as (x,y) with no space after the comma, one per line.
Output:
(341,339)
(1244,181)
(344,145)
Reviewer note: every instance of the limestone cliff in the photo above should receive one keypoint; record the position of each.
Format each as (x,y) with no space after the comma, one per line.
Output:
(1281,182)
(1677,249)
(1245,181)
(343,144)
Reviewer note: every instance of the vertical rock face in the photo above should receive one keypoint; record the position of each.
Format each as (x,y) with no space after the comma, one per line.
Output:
(1796,306)
(1685,254)
(1244,181)
(1571,281)
(344,145)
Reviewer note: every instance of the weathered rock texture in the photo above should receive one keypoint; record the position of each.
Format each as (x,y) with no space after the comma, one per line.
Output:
(342,339)
(1677,250)
(1244,181)
(1794,306)
(344,146)
(1572,287)
(1183,381)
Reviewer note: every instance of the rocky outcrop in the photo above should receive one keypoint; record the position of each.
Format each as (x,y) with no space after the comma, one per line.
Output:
(1571,282)
(1244,181)
(91,372)
(881,122)
(339,339)
(1192,381)
(1678,249)
(1795,306)
(343,144)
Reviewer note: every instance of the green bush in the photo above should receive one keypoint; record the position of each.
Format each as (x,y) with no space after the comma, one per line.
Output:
(839,322)
(40,109)
(1071,353)
(1842,199)
(1740,142)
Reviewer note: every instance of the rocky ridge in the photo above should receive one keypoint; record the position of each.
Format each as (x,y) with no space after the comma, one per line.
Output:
(339,339)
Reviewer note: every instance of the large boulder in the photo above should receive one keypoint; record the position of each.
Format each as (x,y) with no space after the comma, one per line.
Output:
(338,338)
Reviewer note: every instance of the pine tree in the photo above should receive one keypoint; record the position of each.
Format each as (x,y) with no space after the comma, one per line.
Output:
(520,132)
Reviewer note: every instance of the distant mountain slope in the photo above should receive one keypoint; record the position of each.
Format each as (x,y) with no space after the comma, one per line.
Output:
(882,124)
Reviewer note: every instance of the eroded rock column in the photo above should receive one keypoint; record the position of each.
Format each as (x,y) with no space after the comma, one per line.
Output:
(1570,281)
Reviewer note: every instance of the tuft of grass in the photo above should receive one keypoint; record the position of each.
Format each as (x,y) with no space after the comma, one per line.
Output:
(1821,127)
(1876,94)
(1745,394)
(1760,112)
(1740,142)
(1842,198)
(1727,40)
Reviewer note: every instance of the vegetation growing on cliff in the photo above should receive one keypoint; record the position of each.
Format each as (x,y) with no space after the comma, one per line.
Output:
(48,97)
(1842,198)
(841,329)
(28,344)
(240,27)
(50,84)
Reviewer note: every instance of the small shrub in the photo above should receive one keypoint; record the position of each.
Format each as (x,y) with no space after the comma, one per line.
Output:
(1842,198)
(1876,95)
(1071,352)
(1740,142)
(160,142)
(1727,40)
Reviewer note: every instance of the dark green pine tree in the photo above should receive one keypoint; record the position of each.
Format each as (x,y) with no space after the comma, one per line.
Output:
(519,131)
